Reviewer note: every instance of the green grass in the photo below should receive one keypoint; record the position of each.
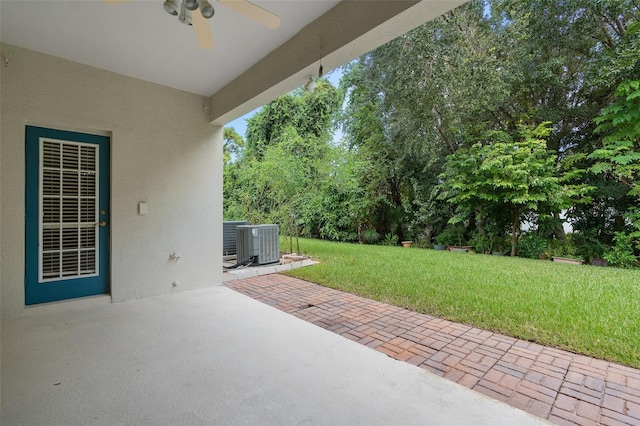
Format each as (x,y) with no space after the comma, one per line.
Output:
(589,310)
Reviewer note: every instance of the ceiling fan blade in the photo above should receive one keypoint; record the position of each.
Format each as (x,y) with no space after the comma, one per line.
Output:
(202,29)
(253,11)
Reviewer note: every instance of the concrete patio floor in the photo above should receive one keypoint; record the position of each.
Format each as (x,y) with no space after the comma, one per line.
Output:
(214,356)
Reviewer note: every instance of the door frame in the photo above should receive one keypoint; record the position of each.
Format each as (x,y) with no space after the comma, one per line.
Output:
(41,292)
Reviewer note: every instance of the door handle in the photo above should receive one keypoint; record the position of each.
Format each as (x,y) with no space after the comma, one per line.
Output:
(102,223)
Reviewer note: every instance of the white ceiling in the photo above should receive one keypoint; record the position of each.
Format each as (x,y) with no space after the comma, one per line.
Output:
(141,40)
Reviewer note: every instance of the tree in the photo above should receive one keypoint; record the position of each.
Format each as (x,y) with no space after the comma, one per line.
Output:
(232,144)
(403,109)
(620,158)
(284,160)
(558,57)
(620,153)
(337,206)
(310,113)
(503,175)
(469,80)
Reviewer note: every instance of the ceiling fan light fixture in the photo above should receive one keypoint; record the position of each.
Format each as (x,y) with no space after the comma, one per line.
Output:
(184,17)
(190,4)
(206,9)
(188,14)
(171,7)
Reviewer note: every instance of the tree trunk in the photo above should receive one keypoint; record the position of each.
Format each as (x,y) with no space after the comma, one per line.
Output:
(290,234)
(428,231)
(479,222)
(514,232)
(558,229)
(290,242)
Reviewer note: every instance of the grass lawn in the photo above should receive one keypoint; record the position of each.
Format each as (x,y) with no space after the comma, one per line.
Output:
(589,310)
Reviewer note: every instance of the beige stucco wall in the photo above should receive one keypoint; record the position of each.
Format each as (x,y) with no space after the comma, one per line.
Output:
(164,151)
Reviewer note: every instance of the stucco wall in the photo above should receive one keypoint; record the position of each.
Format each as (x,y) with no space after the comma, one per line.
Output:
(163,151)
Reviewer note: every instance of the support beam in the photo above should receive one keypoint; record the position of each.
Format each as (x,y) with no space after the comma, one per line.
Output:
(347,31)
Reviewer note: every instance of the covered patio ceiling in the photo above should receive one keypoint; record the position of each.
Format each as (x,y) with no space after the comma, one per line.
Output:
(250,64)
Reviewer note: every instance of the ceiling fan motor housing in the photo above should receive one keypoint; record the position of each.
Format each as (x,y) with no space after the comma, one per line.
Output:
(190,4)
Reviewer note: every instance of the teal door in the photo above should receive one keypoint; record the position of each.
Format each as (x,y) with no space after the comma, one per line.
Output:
(67,215)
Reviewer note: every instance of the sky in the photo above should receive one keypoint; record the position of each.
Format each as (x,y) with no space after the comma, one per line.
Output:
(240,124)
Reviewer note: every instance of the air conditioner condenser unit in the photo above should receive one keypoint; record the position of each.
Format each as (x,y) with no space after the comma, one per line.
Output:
(260,242)
(229,236)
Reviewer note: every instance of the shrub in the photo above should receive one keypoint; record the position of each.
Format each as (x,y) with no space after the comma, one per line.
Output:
(450,236)
(482,243)
(390,239)
(370,236)
(621,254)
(489,243)
(422,241)
(532,245)
(589,246)
(561,248)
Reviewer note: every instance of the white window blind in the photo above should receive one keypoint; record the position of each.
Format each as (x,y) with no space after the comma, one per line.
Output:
(68,210)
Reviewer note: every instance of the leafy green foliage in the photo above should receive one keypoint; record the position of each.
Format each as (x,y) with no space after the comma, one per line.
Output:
(334,201)
(310,113)
(232,144)
(489,243)
(589,247)
(288,172)
(370,236)
(452,235)
(559,55)
(390,239)
(620,153)
(408,103)
(516,176)
(621,254)
(562,248)
(531,245)
(619,157)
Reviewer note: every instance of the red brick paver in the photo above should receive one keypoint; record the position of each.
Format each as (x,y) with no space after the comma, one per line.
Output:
(556,385)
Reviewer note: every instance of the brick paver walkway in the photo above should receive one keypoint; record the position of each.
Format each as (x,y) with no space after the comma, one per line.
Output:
(557,385)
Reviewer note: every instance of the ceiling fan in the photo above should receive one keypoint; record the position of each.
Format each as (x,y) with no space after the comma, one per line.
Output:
(196,13)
